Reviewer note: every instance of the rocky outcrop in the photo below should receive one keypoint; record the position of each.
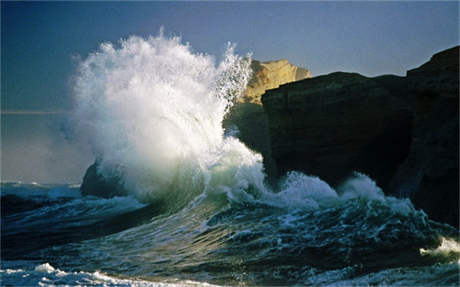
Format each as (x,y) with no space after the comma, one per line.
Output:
(430,175)
(248,116)
(335,124)
(269,75)
(96,184)
(251,125)
(402,131)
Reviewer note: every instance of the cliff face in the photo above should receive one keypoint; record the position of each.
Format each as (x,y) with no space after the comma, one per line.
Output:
(401,131)
(269,75)
(249,117)
(332,125)
(252,124)
(429,175)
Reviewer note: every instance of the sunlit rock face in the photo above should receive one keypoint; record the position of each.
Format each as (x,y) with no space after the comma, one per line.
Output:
(270,75)
(248,116)
(429,175)
(335,124)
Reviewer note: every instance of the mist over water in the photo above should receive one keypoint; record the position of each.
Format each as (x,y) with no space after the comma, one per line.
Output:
(35,148)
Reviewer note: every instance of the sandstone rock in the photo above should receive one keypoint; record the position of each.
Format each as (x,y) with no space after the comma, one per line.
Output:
(269,75)
(332,125)
(429,175)
(248,116)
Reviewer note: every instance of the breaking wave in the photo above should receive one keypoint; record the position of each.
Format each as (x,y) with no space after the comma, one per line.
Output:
(198,207)
(152,111)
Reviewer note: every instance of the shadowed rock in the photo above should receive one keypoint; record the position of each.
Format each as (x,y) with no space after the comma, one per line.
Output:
(96,184)
(429,175)
(334,124)
(402,131)
(251,125)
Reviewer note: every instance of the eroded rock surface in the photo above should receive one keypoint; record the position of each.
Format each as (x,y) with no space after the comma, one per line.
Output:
(429,175)
(401,131)
(335,124)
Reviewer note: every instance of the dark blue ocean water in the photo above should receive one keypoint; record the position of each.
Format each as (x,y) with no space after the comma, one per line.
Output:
(51,235)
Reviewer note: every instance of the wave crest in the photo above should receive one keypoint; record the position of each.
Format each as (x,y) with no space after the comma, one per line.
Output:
(152,111)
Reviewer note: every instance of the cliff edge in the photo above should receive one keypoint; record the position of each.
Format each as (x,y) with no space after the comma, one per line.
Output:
(335,124)
(269,75)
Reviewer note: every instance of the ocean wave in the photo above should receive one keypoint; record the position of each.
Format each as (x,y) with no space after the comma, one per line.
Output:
(47,275)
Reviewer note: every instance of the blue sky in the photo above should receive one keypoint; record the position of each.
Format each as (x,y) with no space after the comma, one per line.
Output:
(41,41)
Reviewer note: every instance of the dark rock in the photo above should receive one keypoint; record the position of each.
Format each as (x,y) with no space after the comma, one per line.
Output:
(96,184)
(338,123)
(429,175)
(401,131)
(252,124)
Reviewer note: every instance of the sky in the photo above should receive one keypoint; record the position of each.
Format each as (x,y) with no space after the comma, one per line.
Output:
(42,42)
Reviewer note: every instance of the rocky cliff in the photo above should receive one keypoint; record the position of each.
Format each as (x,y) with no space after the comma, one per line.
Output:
(248,116)
(402,131)
(269,75)
(429,175)
(251,125)
(332,125)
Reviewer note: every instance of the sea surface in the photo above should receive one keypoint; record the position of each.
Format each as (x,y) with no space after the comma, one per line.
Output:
(52,235)
(197,210)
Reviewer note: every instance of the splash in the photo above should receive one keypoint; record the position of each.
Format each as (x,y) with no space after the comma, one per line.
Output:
(308,192)
(47,275)
(152,111)
(449,248)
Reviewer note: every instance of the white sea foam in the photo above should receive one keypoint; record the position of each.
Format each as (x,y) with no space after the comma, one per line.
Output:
(435,275)
(449,248)
(362,186)
(310,192)
(152,110)
(47,275)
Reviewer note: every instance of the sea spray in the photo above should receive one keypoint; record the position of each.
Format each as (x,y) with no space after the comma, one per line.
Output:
(152,111)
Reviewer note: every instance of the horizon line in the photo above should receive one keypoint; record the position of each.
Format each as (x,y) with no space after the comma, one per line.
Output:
(32,112)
